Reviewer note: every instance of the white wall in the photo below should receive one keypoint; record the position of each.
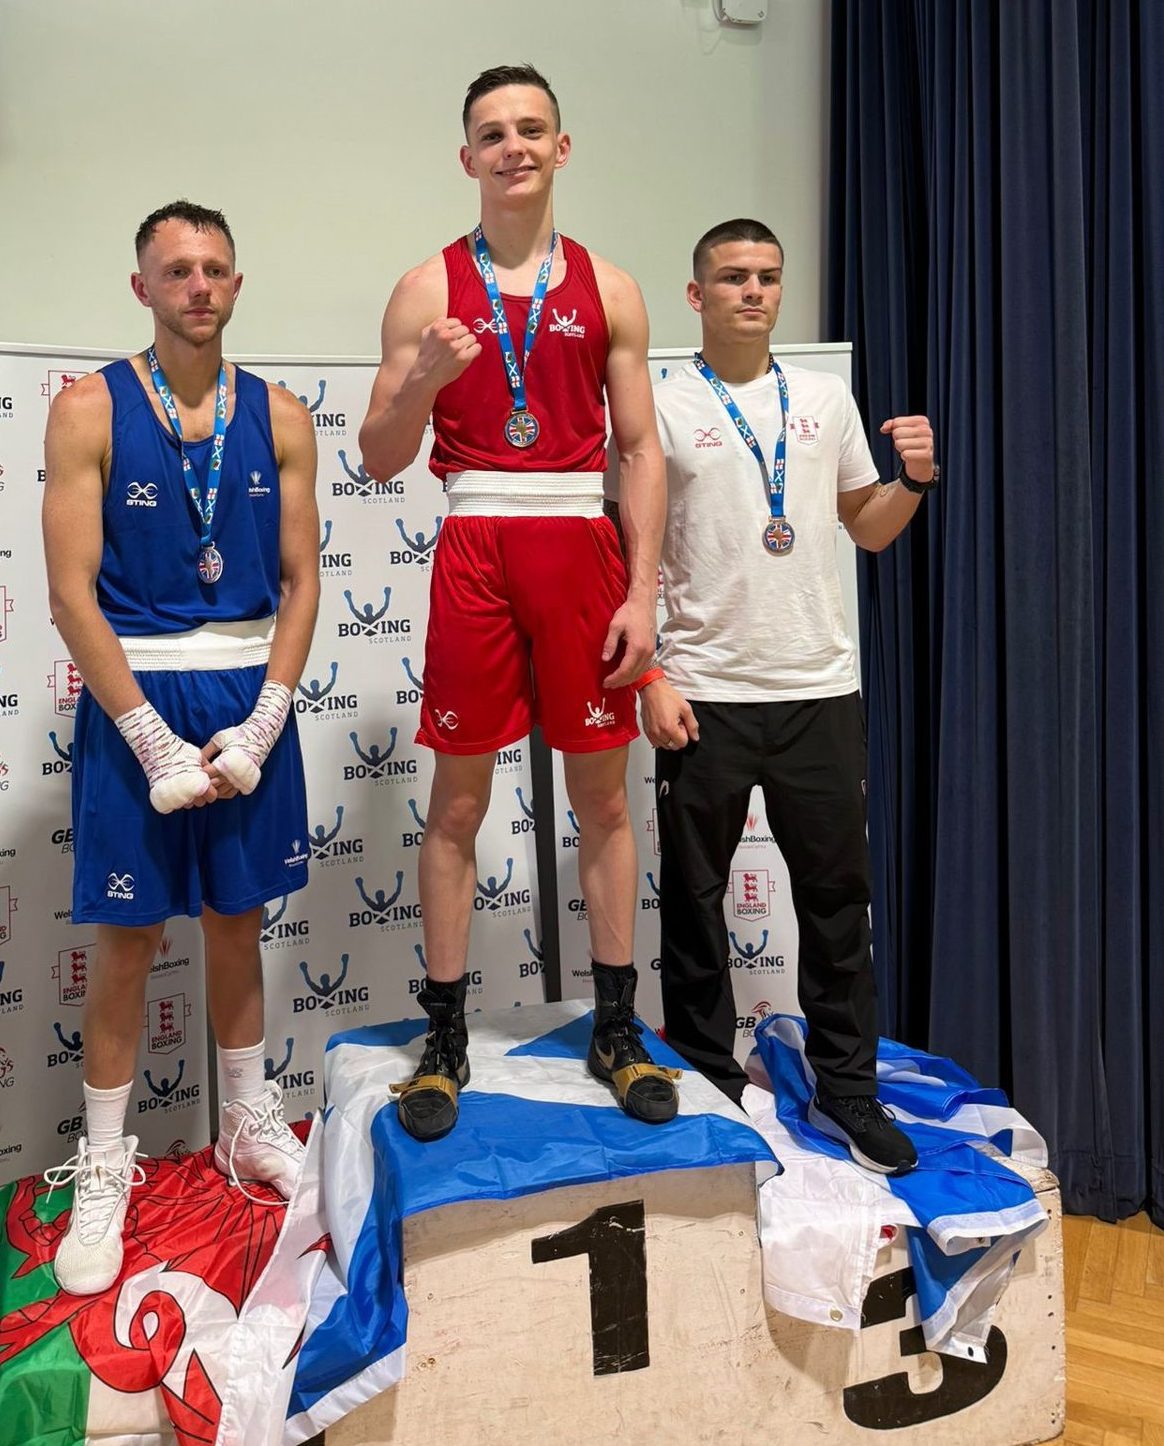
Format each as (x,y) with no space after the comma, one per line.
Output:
(328,133)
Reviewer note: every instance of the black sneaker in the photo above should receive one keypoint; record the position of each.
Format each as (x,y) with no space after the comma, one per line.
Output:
(617,1056)
(428,1102)
(864,1124)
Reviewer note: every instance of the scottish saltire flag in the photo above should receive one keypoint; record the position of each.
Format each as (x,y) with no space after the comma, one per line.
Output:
(532,1119)
(967,1215)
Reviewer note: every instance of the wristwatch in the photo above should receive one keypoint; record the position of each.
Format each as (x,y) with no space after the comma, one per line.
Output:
(920,487)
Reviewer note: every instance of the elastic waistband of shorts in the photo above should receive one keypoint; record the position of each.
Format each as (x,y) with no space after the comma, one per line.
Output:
(213,646)
(525,494)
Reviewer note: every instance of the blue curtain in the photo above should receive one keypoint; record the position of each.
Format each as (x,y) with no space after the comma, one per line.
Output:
(997,258)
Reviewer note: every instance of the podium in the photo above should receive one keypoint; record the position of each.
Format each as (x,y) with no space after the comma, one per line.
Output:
(632,1309)
(506,1343)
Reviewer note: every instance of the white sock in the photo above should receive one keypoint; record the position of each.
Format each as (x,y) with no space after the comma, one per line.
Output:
(243,1072)
(105,1115)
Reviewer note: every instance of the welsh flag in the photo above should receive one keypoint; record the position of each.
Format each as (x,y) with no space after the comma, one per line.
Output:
(208,1311)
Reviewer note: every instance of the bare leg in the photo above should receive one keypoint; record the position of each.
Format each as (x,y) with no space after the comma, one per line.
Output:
(115,1002)
(607,861)
(457,805)
(234,976)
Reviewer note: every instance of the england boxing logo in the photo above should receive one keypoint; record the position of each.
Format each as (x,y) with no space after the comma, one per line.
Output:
(71,971)
(65,684)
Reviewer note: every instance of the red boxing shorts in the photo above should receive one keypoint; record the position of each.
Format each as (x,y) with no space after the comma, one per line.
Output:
(523,591)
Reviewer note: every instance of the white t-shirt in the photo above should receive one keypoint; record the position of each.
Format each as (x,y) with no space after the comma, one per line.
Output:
(744,625)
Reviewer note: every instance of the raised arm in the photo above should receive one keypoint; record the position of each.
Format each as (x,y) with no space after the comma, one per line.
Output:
(641,485)
(874,516)
(422,350)
(77,452)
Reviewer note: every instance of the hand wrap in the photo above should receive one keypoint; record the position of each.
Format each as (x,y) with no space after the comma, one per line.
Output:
(246,747)
(172,766)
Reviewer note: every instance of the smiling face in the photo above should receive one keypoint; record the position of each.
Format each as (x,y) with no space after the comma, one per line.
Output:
(513,144)
(188,280)
(738,289)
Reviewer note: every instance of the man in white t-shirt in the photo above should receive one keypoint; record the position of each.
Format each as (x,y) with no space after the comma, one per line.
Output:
(757,681)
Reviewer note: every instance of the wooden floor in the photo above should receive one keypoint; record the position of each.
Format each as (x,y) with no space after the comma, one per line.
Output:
(1114,1286)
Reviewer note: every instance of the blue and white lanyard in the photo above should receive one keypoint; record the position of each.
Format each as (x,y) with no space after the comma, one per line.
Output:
(775,481)
(514,370)
(205,509)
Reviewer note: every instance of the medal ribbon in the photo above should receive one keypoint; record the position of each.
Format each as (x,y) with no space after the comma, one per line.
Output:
(514,370)
(205,509)
(775,481)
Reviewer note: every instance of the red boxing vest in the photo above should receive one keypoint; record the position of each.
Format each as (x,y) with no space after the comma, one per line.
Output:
(564,382)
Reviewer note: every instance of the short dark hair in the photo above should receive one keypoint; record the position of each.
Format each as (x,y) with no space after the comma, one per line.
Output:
(200,217)
(740,229)
(499,75)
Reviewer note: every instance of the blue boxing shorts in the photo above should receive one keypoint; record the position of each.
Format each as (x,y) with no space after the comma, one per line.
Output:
(135,866)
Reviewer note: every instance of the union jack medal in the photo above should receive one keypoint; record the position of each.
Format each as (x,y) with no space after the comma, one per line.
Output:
(778,535)
(210,563)
(521,429)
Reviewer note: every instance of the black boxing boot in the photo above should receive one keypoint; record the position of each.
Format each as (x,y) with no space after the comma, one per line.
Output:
(645,1090)
(428,1101)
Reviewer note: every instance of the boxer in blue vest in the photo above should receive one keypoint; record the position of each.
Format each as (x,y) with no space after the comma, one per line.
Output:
(181,538)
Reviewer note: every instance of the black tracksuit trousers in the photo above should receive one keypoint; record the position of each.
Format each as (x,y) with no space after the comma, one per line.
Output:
(809,759)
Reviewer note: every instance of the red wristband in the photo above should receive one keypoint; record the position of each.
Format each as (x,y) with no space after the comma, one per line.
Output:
(652,675)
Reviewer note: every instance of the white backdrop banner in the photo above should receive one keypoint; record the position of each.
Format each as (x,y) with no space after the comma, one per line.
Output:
(348,948)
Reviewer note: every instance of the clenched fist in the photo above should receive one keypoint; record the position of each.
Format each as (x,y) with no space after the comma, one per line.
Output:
(446,349)
(913,438)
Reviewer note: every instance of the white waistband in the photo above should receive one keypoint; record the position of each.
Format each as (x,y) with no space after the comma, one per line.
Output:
(523,494)
(212,646)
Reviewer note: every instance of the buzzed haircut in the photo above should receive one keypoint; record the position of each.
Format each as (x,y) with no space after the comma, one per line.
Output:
(499,75)
(739,230)
(202,218)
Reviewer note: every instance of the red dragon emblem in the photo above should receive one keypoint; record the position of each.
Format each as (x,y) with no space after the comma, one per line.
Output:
(185,1217)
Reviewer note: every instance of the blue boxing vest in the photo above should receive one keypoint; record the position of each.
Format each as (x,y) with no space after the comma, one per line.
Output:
(149,582)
